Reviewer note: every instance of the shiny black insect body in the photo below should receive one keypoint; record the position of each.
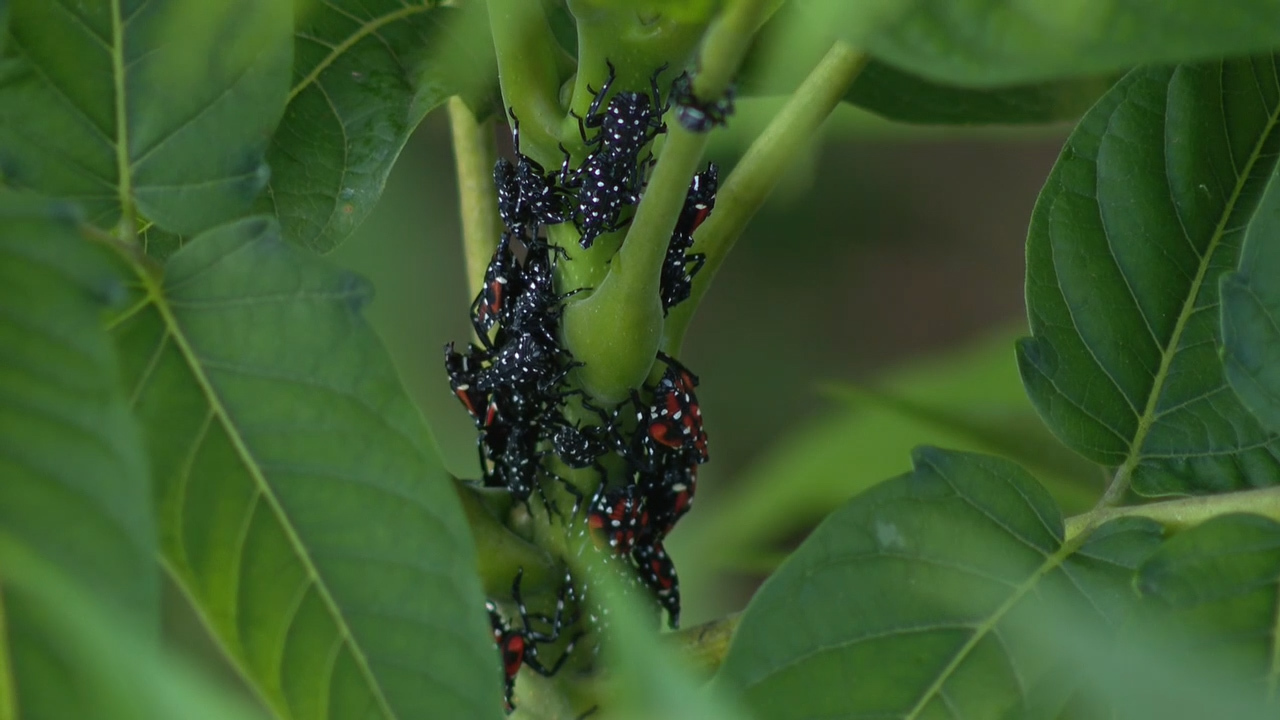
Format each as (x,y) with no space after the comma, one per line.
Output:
(518,646)
(613,175)
(528,196)
(658,573)
(679,266)
(502,283)
(696,115)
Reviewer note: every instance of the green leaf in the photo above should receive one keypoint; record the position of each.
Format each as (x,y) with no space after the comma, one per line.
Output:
(916,598)
(899,95)
(164,106)
(4,34)
(301,504)
(1143,212)
(93,664)
(1001,42)
(974,401)
(784,52)
(75,492)
(1195,647)
(70,452)
(1212,590)
(159,243)
(1251,314)
(365,74)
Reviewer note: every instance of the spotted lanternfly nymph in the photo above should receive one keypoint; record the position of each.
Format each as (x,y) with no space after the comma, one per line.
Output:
(618,518)
(672,423)
(502,281)
(695,115)
(463,372)
(613,175)
(671,495)
(629,122)
(658,572)
(679,266)
(519,646)
(528,196)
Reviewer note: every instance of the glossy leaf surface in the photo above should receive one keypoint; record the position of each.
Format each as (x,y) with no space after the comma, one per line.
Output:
(84,660)
(1212,593)
(75,495)
(784,53)
(970,399)
(1251,314)
(364,76)
(996,42)
(163,107)
(1144,211)
(918,597)
(301,503)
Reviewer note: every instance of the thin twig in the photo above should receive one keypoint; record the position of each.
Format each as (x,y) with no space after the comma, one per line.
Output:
(474,153)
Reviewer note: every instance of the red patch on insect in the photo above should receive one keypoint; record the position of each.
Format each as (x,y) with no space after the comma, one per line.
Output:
(666,432)
(703,210)
(465,396)
(513,654)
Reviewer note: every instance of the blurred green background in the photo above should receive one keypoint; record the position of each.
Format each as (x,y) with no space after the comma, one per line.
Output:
(871,306)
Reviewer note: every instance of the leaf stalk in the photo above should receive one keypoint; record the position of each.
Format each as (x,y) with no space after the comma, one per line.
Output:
(758,173)
(474,153)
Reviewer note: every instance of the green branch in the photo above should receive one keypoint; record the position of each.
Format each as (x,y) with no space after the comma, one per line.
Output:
(474,153)
(1184,512)
(501,553)
(635,45)
(124,168)
(618,329)
(758,172)
(527,59)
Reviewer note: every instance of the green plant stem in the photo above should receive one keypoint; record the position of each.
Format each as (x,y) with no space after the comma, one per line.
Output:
(474,153)
(755,176)
(614,34)
(125,229)
(1184,512)
(728,40)
(705,645)
(500,553)
(527,59)
(617,331)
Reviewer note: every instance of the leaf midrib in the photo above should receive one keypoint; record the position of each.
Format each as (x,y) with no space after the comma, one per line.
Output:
(1124,474)
(365,30)
(124,179)
(155,292)
(1051,563)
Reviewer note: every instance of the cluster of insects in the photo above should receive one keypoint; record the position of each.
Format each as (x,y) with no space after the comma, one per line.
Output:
(512,380)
